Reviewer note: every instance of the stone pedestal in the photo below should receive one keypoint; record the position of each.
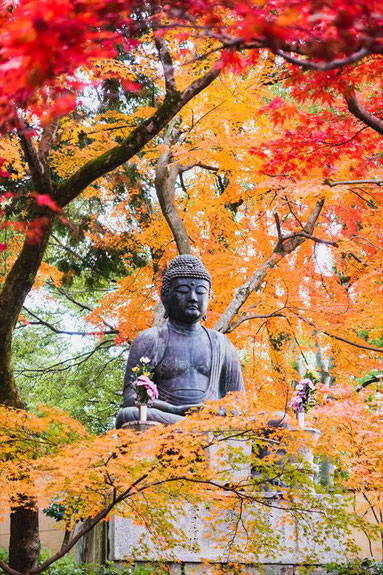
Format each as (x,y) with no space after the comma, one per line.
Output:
(229,454)
(306,451)
(139,426)
(209,528)
(209,540)
(216,535)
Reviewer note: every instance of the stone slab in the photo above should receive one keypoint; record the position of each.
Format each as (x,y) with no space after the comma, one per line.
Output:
(212,540)
(198,569)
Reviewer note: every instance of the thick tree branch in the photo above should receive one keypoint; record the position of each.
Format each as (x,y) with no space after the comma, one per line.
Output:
(352,182)
(167,64)
(374,379)
(278,225)
(137,139)
(37,168)
(323,66)
(47,141)
(358,110)
(283,248)
(165,185)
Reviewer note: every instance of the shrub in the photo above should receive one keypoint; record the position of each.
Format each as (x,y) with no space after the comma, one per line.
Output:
(363,567)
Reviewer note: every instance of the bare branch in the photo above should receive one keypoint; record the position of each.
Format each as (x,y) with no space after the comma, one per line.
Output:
(40,321)
(343,143)
(358,110)
(354,344)
(66,364)
(85,307)
(69,297)
(292,212)
(248,316)
(309,237)
(183,169)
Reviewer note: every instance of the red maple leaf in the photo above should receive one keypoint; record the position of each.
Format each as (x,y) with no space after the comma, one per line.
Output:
(46,200)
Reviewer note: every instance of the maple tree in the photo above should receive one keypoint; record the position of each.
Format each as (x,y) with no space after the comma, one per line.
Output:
(149,476)
(279,156)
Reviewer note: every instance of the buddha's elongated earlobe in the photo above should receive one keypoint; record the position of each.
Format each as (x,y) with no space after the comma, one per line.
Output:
(166,315)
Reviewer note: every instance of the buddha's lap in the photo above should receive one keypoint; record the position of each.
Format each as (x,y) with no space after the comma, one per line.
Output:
(131,414)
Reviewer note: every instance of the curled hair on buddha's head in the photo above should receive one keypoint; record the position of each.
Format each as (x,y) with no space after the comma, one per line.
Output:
(184,266)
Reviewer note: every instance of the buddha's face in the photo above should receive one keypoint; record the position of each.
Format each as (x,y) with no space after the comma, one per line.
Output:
(188,299)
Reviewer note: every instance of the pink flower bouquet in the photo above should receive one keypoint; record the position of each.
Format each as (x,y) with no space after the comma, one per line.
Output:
(303,396)
(146,390)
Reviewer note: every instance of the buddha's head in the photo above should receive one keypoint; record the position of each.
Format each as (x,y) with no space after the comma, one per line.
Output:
(185,289)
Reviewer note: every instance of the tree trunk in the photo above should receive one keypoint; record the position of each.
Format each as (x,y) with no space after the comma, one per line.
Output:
(24,544)
(9,394)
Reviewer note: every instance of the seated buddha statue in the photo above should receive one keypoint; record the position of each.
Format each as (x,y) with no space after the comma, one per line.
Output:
(189,362)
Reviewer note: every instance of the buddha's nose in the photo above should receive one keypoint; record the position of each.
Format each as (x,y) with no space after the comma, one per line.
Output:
(193,296)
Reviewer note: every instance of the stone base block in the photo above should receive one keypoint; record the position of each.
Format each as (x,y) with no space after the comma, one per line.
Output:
(203,569)
(224,537)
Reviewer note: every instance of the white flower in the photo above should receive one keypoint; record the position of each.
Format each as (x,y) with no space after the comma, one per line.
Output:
(145,359)
(306,381)
(299,387)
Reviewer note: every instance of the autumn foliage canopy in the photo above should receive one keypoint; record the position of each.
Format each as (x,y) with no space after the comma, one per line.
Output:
(247,133)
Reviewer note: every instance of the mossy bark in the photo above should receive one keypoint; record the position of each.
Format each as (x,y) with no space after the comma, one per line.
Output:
(24,544)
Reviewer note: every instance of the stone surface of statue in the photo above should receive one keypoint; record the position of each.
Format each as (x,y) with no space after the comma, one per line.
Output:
(191,363)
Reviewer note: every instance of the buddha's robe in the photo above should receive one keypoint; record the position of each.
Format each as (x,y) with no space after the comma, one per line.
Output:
(224,375)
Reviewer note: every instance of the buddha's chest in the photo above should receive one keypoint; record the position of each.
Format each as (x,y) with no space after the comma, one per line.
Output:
(185,355)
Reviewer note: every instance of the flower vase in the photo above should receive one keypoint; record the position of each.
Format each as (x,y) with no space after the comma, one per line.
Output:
(301,419)
(143,413)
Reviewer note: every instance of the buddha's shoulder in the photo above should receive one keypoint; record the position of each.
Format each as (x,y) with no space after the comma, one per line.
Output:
(218,336)
(147,335)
